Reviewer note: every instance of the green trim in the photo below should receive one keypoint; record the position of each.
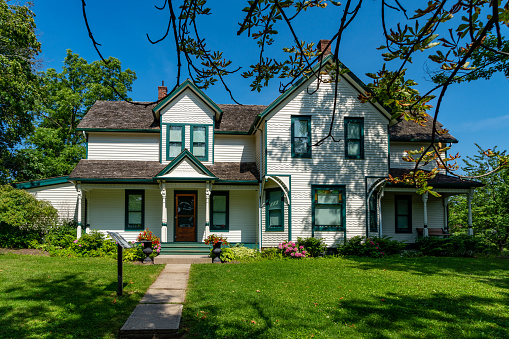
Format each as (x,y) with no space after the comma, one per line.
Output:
(219,181)
(188,84)
(178,160)
(265,148)
(281,228)
(113,180)
(213,140)
(195,192)
(126,208)
(232,132)
(289,205)
(192,126)
(408,198)
(183,139)
(454,141)
(164,224)
(227,211)
(86,145)
(41,182)
(161,142)
(306,118)
(342,205)
(347,121)
(130,130)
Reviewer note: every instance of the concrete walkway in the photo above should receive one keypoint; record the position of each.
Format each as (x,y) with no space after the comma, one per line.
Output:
(159,311)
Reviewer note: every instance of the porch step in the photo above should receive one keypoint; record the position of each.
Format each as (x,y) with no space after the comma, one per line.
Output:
(185,248)
(182,259)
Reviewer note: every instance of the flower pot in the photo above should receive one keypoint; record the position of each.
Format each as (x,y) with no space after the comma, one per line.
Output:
(147,250)
(217,252)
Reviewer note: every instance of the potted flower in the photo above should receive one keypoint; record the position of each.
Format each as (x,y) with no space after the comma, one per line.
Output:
(150,243)
(216,242)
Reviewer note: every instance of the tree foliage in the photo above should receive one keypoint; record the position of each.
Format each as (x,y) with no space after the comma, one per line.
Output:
(18,81)
(55,147)
(490,203)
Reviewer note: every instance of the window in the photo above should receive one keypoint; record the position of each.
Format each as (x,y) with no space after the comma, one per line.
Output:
(354,138)
(175,136)
(301,137)
(328,208)
(373,225)
(274,210)
(403,213)
(134,210)
(199,137)
(219,212)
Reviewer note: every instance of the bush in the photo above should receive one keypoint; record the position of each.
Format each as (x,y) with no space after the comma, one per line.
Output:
(226,255)
(93,244)
(243,253)
(455,246)
(313,246)
(272,253)
(61,235)
(292,250)
(374,247)
(15,237)
(134,253)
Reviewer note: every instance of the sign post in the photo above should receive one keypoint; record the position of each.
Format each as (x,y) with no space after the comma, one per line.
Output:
(121,243)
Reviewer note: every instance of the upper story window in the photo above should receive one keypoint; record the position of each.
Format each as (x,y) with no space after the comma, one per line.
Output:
(199,137)
(403,205)
(274,210)
(219,219)
(134,210)
(301,137)
(175,137)
(354,138)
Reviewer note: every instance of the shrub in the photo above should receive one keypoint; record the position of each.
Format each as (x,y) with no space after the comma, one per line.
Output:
(313,246)
(226,255)
(243,253)
(93,244)
(61,235)
(292,250)
(374,247)
(15,237)
(272,253)
(455,246)
(134,253)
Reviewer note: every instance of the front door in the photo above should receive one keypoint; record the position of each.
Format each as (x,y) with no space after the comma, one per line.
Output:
(185,217)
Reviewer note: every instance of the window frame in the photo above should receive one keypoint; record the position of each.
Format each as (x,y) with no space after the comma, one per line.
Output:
(227,212)
(191,145)
(126,207)
(299,118)
(409,214)
(373,213)
(281,228)
(183,139)
(314,188)
(347,121)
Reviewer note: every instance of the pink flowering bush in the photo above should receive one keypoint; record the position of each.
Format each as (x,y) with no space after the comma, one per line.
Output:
(292,250)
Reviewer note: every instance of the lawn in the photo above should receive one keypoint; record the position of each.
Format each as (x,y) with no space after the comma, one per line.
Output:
(350,298)
(45,297)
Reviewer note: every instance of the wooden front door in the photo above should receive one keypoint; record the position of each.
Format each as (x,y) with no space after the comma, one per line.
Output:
(185,217)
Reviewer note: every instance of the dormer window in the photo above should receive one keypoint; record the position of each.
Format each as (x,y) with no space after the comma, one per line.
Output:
(175,135)
(199,138)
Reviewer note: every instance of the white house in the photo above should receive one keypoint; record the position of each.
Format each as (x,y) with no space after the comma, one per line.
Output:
(188,167)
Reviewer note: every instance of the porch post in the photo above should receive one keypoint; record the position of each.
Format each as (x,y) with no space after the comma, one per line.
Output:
(379,212)
(80,198)
(425,202)
(164,220)
(207,209)
(470,195)
(87,212)
(446,214)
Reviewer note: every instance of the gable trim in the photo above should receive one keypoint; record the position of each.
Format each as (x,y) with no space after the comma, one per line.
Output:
(175,162)
(41,182)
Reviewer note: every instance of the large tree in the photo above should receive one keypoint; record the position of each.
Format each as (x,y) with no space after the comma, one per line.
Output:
(490,203)
(55,147)
(450,33)
(18,80)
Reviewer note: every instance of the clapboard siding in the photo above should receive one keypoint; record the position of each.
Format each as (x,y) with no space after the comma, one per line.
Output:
(398,151)
(187,108)
(328,165)
(63,197)
(258,152)
(243,217)
(123,146)
(435,215)
(234,148)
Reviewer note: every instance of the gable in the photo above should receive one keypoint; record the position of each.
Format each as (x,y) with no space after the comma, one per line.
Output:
(187,108)
(185,169)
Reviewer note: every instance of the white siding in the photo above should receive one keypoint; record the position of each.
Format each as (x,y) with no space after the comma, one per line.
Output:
(398,151)
(328,165)
(123,146)
(234,148)
(186,169)
(187,108)
(62,196)
(258,147)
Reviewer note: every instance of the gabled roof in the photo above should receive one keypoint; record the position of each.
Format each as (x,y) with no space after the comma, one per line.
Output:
(188,84)
(411,131)
(237,119)
(185,155)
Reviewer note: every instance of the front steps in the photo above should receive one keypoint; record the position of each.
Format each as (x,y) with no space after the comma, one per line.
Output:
(185,248)
(182,259)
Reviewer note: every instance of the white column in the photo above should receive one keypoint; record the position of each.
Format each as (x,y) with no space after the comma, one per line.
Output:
(207,209)
(425,203)
(446,214)
(87,202)
(470,195)
(379,212)
(164,217)
(80,198)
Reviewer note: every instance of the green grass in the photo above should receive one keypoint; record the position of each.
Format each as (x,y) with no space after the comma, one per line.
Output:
(46,297)
(350,298)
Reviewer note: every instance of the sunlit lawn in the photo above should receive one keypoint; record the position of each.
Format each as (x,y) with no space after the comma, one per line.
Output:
(44,297)
(350,298)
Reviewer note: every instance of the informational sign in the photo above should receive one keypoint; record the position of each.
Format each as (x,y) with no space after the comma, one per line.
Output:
(121,243)
(120,240)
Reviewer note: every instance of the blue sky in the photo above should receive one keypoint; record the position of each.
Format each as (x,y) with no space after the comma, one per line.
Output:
(474,112)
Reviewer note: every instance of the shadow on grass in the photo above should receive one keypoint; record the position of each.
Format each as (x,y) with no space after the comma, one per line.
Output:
(69,306)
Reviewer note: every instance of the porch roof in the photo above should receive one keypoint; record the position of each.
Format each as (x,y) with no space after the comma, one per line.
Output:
(440,180)
(126,170)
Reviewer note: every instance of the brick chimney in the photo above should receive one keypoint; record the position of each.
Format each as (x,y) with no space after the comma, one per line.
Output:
(322,45)
(162,91)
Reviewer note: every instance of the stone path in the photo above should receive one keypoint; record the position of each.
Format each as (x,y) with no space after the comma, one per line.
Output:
(159,311)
